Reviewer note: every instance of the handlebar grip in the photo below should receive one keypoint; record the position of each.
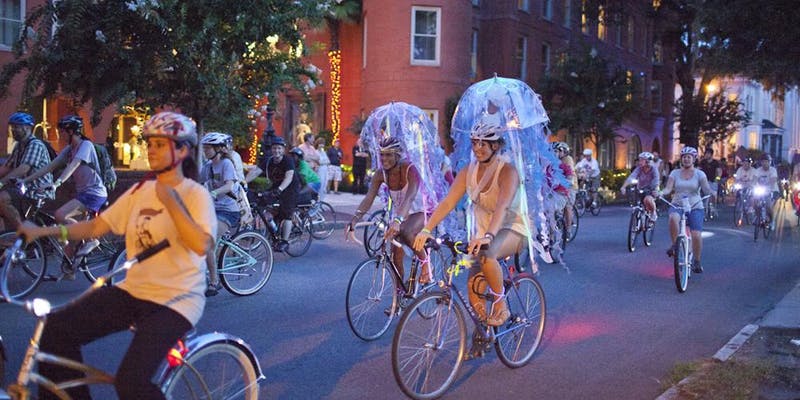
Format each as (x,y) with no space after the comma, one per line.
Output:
(147,253)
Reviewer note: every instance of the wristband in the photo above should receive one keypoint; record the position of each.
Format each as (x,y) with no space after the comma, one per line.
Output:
(426,230)
(489,236)
(398,219)
(64,234)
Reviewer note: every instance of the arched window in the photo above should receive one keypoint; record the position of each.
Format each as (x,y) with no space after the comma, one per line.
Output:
(634,148)
(605,156)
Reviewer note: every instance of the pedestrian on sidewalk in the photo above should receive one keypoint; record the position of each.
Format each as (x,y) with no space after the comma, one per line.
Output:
(324,168)
(335,168)
(360,159)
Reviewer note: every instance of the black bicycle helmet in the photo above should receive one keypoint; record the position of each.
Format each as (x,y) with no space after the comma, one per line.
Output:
(296,151)
(71,122)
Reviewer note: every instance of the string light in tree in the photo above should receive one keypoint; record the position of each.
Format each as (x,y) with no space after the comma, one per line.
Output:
(257,116)
(335,61)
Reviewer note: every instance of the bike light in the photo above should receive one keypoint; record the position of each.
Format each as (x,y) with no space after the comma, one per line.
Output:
(759,190)
(737,186)
(39,307)
(634,181)
(796,186)
(175,354)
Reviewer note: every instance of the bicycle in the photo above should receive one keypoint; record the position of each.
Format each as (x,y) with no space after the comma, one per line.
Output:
(376,291)
(214,365)
(263,205)
(640,222)
(761,216)
(682,247)
(32,269)
(244,262)
(572,232)
(429,344)
(584,200)
(740,206)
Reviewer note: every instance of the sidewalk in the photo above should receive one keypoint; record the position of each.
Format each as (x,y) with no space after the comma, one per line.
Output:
(775,340)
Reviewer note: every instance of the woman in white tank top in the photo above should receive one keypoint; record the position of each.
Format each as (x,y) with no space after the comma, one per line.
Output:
(492,184)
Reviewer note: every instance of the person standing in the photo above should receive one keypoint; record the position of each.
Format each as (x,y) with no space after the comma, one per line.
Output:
(310,154)
(324,167)
(335,169)
(360,158)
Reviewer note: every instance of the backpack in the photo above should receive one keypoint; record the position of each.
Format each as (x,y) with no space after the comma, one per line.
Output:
(105,170)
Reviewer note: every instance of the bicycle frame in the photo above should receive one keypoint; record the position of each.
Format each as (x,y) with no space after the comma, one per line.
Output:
(385,254)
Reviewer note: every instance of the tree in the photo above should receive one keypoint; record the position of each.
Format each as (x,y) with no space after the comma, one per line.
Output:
(715,119)
(204,57)
(587,96)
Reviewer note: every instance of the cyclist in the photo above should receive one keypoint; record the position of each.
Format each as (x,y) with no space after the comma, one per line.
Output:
(491,182)
(688,181)
(309,180)
(79,159)
(646,178)
(162,297)
(745,175)
(218,174)
(712,168)
(29,156)
(568,167)
(403,181)
(767,175)
(589,171)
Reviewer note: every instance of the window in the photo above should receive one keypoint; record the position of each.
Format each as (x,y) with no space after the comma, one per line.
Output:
(618,35)
(521,57)
(524,5)
(658,53)
(567,13)
(605,156)
(547,9)
(11,17)
(655,97)
(545,59)
(645,42)
(426,25)
(631,33)
(584,18)
(476,3)
(473,55)
(601,23)
(634,148)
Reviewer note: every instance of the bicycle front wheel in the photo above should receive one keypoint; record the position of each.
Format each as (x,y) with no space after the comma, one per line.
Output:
(738,212)
(323,220)
(649,229)
(633,230)
(300,238)
(580,204)
(427,351)
(681,264)
(522,334)
(371,299)
(218,371)
(597,205)
(27,272)
(245,263)
(94,264)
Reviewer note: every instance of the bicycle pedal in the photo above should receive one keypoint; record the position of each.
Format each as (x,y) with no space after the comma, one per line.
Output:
(50,278)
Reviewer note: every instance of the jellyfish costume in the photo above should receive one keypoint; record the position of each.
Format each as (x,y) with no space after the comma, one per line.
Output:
(518,110)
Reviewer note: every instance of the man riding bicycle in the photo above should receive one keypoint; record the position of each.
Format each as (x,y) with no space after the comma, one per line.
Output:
(589,172)
(646,179)
(767,176)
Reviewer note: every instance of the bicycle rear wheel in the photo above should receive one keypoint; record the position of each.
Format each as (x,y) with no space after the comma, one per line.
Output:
(597,205)
(323,220)
(427,352)
(573,226)
(27,272)
(633,230)
(373,237)
(94,264)
(738,212)
(218,371)
(522,334)
(371,299)
(300,238)
(245,264)
(757,223)
(580,203)
(115,263)
(681,264)
(649,230)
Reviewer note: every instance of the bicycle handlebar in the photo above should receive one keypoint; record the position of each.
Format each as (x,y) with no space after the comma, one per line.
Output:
(680,206)
(379,224)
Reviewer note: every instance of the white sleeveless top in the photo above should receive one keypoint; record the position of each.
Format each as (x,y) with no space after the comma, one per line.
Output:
(484,197)
(398,196)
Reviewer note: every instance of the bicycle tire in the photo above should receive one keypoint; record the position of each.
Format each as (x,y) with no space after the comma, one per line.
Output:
(223,368)
(767,227)
(323,220)
(423,366)
(94,264)
(28,272)
(738,212)
(596,206)
(245,263)
(115,263)
(681,264)
(525,329)
(573,227)
(649,231)
(300,238)
(580,204)
(757,223)
(371,291)
(633,230)
(372,235)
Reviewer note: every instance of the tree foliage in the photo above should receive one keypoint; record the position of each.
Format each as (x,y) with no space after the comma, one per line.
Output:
(588,96)
(207,58)
(715,119)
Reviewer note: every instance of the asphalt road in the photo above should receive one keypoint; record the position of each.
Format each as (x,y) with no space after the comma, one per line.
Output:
(615,322)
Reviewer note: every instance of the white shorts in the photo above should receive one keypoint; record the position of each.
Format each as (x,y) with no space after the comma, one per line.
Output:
(334,173)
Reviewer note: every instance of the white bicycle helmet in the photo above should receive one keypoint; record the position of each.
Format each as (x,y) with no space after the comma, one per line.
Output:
(390,145)
(689,150)
(171,125)
(587,152)
(646,155)
(487,128)
(215,139)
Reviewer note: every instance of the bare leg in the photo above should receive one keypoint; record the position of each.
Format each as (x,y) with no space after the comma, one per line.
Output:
(66,214)
(506,243)
(211,259)
(8,212)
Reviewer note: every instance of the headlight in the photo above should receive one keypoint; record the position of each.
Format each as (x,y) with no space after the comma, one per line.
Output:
(634,181)
(796,186)
(737,186)
(759,190)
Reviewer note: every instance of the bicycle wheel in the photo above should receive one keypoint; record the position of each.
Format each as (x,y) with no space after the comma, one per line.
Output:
(218,371)
(649,230)
(757,223)
(681,264)
(427,352)
(373,237)
(29,269)
(633,230)
(245,263)
(597,205)
(522,334)
(738,212)
(115,263)
(323,220)
(95,263)
(580,204)
(300,238)
(371,299)
(573,227)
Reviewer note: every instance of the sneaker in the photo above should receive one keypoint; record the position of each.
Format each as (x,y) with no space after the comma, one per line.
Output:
(281,246)
(87,247)
(213,290)
(696,267)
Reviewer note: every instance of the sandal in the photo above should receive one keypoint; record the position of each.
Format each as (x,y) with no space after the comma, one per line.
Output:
(213,289)
(499,316)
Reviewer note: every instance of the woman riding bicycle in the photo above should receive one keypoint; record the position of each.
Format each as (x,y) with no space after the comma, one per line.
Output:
(646,180)
(163,296)
(568,167)
(492,183)
(688,181)
(218,174)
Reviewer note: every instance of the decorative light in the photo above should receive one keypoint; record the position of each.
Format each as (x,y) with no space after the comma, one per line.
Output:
(335,61)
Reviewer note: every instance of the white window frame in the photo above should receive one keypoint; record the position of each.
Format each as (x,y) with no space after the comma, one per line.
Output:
(22,10)
(524,5)
(547,51)
(656,93)
(438,47)
(523,68)
(473,54)
(567,22)
(547,9)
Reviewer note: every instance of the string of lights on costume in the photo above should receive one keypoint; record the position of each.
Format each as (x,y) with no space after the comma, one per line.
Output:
(420,141)
(518,111)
